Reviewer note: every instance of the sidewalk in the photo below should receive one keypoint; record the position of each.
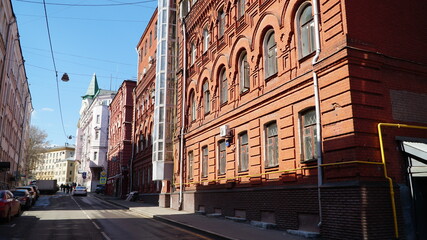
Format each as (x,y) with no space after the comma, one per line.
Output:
(218,228)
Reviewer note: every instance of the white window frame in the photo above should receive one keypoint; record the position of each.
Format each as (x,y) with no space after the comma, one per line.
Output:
(270,54)
(305,45)
(223,83)
(243,75)
(206,39)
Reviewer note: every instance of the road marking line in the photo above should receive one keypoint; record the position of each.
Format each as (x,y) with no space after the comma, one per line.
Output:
(105,235)
(13,225)
(96,225)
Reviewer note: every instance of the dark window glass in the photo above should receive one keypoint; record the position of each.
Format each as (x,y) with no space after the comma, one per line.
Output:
(309,136)
(243,151)
(272,148)
(224,86)
(306,27)
(244,73)
(222,157)
(190,165)
(204,161)
(270,55)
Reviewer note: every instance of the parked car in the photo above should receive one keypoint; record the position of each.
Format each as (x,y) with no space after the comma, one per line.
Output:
(80,190)
(31,190)
(24,198)
(9,206)
(100,188)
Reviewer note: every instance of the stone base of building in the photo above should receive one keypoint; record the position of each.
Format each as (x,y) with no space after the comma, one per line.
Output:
(164,200)
(151,198)
(356,210)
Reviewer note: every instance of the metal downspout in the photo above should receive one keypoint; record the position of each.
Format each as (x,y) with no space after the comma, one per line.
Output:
(184,89)
(317,106)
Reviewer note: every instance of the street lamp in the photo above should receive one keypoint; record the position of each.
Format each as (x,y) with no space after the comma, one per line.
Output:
(65,77)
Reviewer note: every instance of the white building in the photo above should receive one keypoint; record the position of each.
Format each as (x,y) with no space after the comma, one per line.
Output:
(57,163)
(92,134)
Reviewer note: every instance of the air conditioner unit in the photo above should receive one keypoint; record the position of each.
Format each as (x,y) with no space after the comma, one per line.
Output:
(224,131)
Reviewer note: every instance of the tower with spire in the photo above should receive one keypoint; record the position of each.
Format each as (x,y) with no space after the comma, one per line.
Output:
(92,134)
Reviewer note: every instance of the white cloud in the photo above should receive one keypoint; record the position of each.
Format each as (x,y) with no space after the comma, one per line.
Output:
(47,109)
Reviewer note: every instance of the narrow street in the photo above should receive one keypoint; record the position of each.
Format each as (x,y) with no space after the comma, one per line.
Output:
(63,216)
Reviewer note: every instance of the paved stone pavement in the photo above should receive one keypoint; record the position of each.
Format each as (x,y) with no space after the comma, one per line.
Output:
(216,227)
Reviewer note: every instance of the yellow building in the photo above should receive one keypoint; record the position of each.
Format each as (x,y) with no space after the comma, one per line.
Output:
(57,163)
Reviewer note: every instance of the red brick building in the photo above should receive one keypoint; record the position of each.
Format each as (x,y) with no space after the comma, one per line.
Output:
(120,140)
(143,115)
(281,128)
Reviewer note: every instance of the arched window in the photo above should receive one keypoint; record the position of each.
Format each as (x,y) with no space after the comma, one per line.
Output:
(306,30)
(206,39)
(244,72)
(192,108)
(270,54)
(193,53)
(240,8)
(206,97)
(223,86)
(221,23)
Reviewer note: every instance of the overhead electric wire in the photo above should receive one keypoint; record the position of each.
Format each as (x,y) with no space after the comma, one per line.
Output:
(78,74)
(89,5)
(79,56)
(87,19)
(54,66)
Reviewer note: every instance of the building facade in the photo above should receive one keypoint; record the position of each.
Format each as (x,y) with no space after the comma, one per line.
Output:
(120,140)
(15,100)
(295,113)
(57,163)
(92,134)
(144,97)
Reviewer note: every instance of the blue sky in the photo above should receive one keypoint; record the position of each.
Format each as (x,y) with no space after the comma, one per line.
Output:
(85,40)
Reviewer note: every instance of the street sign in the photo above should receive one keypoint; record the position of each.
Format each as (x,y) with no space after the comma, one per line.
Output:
(103,174)
(102,180)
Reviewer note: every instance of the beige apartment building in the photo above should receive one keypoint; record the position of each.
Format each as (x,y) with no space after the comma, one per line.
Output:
(57,163)
(15,101)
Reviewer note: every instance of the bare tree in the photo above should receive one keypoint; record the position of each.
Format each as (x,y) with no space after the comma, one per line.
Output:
(37,144)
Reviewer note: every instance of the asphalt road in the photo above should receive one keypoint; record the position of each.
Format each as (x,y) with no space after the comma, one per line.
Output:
(63,216)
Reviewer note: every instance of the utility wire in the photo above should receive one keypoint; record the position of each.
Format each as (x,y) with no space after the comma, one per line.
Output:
(78,74)
(90,5)
(86,19)
(54,66)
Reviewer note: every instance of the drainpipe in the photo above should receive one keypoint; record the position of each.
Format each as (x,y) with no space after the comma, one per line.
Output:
(184,89)
(317,106)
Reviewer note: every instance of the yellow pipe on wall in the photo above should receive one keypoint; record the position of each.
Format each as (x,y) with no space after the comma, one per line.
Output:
(383,162)
(393,203)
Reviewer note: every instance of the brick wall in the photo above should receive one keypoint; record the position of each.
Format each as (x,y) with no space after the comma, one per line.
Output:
(285,203)
(357,211)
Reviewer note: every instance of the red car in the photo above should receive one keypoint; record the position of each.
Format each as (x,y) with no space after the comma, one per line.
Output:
(9,205)
(24,198)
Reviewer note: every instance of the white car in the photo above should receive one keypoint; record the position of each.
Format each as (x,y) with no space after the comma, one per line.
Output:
(80,190)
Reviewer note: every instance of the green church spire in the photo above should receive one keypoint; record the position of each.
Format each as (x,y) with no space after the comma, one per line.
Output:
(93,88)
